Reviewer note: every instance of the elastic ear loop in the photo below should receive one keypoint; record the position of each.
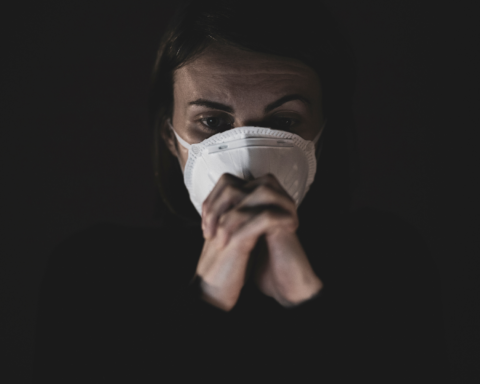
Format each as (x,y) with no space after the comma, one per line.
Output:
(183,142)
(319,132)
(321,141)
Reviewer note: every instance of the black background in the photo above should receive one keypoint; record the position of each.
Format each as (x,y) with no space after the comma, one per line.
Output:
(76,145)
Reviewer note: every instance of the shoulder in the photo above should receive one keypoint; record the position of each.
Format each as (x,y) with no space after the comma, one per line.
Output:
(374,219)
(381,241)
(98,242)
(108,252)
(392,252)
(382,229)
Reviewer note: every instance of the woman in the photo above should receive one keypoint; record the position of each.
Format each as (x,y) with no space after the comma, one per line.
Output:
(259,270)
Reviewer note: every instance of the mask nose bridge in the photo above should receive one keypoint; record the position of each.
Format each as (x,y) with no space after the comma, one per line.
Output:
(187,145)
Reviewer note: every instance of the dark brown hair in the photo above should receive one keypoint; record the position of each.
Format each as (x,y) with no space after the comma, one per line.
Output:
(303,30)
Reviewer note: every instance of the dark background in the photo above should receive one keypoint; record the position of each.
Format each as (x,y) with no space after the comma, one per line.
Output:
(76,145)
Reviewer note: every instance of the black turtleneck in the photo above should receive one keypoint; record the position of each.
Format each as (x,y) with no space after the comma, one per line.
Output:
(118,304)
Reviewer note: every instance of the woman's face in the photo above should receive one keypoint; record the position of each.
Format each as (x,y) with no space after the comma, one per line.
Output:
(226,87)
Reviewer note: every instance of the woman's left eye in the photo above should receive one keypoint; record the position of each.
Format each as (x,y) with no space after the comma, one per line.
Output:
(284,122)
(213,123)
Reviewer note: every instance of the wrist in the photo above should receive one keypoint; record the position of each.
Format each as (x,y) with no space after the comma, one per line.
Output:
(215,297)
(301,294)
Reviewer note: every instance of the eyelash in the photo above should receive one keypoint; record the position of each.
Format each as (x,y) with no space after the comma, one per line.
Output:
(209,129)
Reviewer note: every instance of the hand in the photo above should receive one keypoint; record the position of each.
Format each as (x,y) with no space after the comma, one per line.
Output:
(232,228)
(282,268)
(284,271)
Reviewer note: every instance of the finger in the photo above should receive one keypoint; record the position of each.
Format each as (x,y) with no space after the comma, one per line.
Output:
(270,180)
(231,197)
(267,192)
(266,223)
(230,221)
(225,179)
(231,190)
(266,195)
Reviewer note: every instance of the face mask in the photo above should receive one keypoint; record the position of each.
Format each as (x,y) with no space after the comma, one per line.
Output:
(249,153)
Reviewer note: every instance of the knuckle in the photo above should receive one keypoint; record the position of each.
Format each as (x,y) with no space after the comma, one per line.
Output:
(205,205)
(226,219)
(265,191)
(222,221)
(223,231)
(234,220)
(268,176)
(227,180)
(279,217)
(292,222)
(229,224)
(228,177)
(296,222)
(225,176)
(271,182)
(230,189)
(270,217)
(271,179)
(271,176)
(236,216)
(264,188)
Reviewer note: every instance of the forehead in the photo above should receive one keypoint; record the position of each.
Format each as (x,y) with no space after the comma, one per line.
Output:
(221,68)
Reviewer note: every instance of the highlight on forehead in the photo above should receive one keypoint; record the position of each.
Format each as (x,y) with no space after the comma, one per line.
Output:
(210,79)
(232,60)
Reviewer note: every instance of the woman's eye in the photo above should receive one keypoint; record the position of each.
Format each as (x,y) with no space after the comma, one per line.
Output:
(284,122)
(217,124)
(213,123)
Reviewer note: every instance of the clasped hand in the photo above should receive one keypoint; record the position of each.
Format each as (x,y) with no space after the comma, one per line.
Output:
(243,220)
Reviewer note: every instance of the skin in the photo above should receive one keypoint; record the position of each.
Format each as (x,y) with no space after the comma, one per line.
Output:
(247,82)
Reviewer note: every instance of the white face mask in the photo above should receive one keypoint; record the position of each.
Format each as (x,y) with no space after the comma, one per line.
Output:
(249,153)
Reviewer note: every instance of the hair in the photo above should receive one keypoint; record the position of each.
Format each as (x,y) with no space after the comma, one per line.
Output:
(303,30)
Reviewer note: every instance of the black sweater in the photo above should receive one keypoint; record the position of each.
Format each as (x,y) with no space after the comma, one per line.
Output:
(118,304)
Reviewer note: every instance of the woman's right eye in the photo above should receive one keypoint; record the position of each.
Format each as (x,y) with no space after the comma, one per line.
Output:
(213,124)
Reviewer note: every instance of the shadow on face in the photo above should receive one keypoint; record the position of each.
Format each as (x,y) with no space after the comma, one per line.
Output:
(226,87)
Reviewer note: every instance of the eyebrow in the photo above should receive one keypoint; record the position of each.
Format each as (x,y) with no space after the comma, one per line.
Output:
(270,107)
